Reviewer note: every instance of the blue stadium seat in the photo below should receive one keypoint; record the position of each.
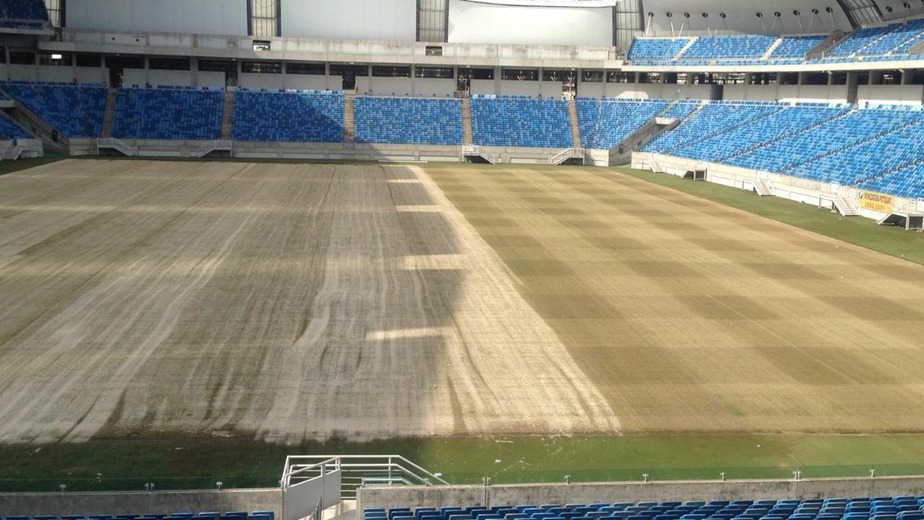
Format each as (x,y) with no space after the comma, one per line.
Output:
(408,120)
(296,116)
(520,121)
(76,110)
(167,113)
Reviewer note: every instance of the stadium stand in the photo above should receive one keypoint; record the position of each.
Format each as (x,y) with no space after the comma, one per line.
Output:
(408,120)
(10,130)
(653,49)
(288,115)
(795,46)
(729,47)
(75,109)
(604,123)
(853,128)
(167,113)
(836,143)
(907,181)
(857,508)
(712,119)
(520,121)
(23,10)
(759,131)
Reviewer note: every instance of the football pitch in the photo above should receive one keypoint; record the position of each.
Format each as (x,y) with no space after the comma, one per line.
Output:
(538,315)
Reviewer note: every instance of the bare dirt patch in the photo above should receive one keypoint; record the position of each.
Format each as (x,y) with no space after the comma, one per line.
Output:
(278,301)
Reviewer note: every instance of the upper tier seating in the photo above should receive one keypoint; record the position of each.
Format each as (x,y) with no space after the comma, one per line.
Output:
(879,508)
(656,48)
(408,120)
(167,113)
(729,47)
(520,121)
(604,123)
(23,10)
(796,46)
(298,116)
(75,109)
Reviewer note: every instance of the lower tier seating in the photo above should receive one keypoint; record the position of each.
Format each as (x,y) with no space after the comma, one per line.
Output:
(856,508)
(167,113)
(75,109)
(408,120)
(520,121)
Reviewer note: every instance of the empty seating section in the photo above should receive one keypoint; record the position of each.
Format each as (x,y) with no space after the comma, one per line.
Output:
(75,110)
(712,119)
(299,116)
(759,130)
(878,508)
(826,143)
(857,40)
(167,113)
(796,46)
(890,42)
(907,181)
(681,109)
(855,127)
(520,121)
(23,10)
(9,130)
(604,123)
(234,515)
(729,47)
(854,163)
(656,48)
(408,121)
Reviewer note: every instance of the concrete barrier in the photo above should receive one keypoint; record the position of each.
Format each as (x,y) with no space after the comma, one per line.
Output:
(140,503)
(437,496)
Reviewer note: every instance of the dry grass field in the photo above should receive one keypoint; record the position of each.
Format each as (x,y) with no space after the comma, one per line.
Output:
(297,301)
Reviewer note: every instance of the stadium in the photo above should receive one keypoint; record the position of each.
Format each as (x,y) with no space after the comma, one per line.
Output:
(455,260)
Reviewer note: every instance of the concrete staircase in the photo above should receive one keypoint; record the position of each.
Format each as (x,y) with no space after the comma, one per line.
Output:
(467,121)
(349,123)
(107,116)
(575,127)
(227,116)
(772,48)
(763,188)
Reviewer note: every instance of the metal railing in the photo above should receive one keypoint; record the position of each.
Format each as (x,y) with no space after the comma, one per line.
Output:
(358,471)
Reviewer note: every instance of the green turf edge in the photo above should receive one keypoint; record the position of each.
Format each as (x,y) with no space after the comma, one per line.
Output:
(859,231)
(183,462)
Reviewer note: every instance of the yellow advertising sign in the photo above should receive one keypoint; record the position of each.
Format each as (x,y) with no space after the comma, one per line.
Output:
(876,201)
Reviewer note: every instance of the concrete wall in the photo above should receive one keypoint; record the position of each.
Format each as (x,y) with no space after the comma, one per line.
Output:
(655,91)
(175,16)
(891,94)
(635,492)
(53,73)
(289,81)
(140,503)
(393,20)
(805,93)
(520,88)
(385,86)
(472,22)
(434,87)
